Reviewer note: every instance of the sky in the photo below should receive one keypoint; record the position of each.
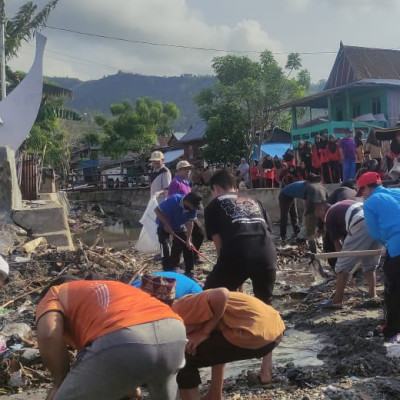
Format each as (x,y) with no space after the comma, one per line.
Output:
(313,28)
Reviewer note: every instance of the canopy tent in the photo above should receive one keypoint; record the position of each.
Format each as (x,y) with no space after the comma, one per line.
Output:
(273,149)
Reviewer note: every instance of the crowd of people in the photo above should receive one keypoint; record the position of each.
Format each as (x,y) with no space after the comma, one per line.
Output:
(161,329)
(336,160)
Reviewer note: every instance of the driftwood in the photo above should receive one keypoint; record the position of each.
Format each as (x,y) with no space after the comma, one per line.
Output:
(107,261)
(21,296)
(137,274)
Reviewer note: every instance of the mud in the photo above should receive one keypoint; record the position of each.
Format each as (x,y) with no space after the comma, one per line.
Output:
(355,364)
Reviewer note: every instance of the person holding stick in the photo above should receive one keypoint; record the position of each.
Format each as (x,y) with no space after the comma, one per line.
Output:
(175,217)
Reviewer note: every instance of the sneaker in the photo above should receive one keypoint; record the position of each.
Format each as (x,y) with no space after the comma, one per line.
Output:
(327,304)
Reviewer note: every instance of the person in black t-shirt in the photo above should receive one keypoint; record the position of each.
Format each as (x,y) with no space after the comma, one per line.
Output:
(241,231)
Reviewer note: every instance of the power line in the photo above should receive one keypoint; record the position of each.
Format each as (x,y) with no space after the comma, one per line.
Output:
(179,45)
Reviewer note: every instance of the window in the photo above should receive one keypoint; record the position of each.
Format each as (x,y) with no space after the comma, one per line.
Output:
(376,106)
(356,110)
(339,114)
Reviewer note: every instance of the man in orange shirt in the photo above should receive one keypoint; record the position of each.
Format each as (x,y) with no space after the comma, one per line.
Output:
(125,338)
(222,327)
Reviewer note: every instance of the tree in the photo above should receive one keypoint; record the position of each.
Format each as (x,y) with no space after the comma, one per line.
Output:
(136,129)
(48,141)
(254,90)
(22,26)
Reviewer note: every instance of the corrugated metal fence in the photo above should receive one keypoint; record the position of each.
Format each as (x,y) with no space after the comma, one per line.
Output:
(29,178)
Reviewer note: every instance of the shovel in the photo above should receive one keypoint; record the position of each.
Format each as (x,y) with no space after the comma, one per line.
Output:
(357,253)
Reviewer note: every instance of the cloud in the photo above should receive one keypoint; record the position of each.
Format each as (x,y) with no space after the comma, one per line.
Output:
(156,21)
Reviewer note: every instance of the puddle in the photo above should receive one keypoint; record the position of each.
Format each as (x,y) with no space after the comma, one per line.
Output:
(299,347)
(119,235)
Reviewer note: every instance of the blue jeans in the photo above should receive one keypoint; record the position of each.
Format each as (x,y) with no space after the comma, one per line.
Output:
(349,169)
(114,365)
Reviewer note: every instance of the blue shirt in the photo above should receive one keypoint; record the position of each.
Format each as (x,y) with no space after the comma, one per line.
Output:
(295,189)
(184,285)
(382,216)
(176,214)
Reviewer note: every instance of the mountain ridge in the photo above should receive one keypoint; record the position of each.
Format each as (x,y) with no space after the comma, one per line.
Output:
(96,96)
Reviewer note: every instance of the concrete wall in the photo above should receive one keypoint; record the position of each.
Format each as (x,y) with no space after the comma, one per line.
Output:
(138,198)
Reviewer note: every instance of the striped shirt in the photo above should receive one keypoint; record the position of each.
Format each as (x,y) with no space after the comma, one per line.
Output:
(343,218)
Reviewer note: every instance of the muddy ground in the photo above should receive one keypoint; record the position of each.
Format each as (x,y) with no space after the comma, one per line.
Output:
(355,363)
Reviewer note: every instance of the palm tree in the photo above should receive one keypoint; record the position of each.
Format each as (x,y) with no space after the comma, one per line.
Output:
(23,25)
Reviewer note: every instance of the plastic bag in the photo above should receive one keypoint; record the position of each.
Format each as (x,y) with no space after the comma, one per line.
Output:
(148,239)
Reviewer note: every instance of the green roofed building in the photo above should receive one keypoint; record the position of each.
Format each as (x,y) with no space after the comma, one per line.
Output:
(362,92)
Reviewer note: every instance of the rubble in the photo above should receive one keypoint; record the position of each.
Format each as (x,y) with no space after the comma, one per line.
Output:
(356,365)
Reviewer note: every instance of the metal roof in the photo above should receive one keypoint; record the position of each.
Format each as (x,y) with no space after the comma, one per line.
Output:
(354,64)
(195,133)
(172,155)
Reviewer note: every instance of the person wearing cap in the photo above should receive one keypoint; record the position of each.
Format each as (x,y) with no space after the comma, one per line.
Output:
(180,185)
(184,285)
(346,229)
(125,339)
(382,216)
(4,271)
(175,217)
(160,177)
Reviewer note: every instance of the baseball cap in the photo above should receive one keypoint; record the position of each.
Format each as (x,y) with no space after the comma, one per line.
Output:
(367,179)
(160,287)
(156,156)
(183,164)
(195,200)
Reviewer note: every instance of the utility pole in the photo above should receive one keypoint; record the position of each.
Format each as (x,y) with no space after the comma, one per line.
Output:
(2,49)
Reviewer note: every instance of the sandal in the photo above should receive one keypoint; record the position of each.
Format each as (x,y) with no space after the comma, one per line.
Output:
(327,304)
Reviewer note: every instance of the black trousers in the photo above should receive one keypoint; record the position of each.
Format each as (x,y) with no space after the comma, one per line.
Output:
(287,206)
(336,173)
(171,258)
(325,172)
(197,237)
(391,270)
(213,351)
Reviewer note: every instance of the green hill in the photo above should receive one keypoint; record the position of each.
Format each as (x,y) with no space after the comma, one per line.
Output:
(94,97)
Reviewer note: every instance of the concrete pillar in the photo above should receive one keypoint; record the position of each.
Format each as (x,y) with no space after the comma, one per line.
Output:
(10,194)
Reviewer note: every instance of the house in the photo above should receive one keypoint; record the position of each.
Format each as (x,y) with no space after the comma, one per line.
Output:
(362,92)
(194,140)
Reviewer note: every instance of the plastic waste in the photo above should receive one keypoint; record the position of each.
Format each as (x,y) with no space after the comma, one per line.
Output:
(148,240)
(17,329)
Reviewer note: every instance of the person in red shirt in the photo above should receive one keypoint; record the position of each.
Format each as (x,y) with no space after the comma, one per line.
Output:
(315,157)
(125,338)
(334,156)
(254,174)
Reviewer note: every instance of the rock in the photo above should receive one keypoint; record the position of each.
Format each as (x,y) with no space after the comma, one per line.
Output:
(29,357)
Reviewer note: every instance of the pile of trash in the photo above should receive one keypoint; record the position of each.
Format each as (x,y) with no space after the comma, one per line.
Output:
(33,266)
